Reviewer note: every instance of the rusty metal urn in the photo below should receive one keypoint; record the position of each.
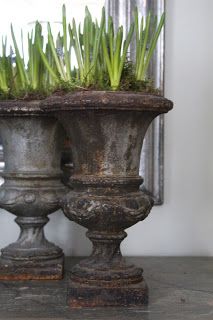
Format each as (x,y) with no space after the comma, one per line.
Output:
(107,131)
(32,189)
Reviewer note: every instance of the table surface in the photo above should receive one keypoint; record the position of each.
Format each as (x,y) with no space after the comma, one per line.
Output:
(180,289)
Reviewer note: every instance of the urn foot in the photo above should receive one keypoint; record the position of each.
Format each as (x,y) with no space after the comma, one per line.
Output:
(88,296)
(105,278)
(106,266)
(32,256)
(29,269)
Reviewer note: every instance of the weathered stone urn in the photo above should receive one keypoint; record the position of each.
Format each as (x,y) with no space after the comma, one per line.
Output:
(106,130)
(32,189)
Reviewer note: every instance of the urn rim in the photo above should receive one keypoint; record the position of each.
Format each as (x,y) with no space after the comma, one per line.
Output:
(106,100)
(87,100)
(20,107)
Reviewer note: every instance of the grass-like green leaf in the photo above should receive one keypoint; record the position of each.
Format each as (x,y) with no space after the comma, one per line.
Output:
(147,35)
(101,53)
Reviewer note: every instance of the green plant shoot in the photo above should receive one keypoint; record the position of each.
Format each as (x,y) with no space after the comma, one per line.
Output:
(147,34)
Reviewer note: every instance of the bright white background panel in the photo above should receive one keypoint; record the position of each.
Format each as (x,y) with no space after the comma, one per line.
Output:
(184,224)
(24,13)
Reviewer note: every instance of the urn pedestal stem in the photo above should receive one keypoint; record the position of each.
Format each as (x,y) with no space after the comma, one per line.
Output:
(107,131)
(32,230)
(32,189)
(106,246)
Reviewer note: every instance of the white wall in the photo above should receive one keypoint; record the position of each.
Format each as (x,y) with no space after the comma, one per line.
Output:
(184,224)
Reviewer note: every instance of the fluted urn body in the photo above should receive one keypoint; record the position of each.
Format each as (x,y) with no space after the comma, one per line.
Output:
(106,130)
(32,189)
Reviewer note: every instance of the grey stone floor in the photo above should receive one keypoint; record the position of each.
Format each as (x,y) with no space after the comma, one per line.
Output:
(180,289)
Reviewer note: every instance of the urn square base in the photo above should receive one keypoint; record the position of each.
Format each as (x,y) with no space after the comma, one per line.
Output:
(85,296)
(32,269)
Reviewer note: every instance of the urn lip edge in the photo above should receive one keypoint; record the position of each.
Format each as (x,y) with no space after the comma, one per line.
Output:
(20,107)
(87,100)
(106,100)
